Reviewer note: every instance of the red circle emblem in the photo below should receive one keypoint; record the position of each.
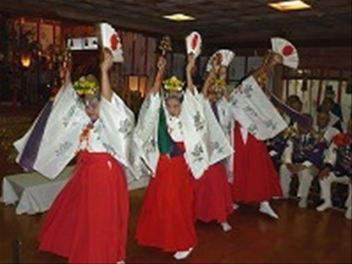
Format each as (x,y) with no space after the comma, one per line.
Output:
(195,41)
(114,41)
(287,50)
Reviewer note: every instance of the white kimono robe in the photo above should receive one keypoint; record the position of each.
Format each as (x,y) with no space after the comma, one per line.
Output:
(194,130)
(219,131)
(60,141)
(254,111)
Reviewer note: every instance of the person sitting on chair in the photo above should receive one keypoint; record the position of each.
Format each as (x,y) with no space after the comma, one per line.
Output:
(332,107)
(323,126)
(338,168)
(302,156)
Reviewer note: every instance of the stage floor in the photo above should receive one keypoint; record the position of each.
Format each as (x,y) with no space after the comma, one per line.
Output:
(300,236)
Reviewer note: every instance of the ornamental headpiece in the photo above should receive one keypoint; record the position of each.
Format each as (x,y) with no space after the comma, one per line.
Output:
(87,87)
(217,86)
(173,87)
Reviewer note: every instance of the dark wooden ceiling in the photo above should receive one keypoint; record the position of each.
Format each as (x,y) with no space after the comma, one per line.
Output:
(221,22)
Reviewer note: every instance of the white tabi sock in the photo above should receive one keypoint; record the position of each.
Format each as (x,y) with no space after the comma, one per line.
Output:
(265,208)
(226,226)
(326,205)
(182,254)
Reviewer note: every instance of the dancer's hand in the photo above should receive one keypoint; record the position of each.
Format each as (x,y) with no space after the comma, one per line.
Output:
(161,65)
(273,59)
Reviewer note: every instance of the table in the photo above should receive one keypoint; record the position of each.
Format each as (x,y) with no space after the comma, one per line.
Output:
(34,193)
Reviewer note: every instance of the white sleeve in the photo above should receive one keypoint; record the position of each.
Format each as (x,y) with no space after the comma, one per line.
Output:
(144,136)
(227,117)
(118,124)
(259,117)
(65,93)
(220,147)
(61,134)
(196,136)
(148,117)
(287,154)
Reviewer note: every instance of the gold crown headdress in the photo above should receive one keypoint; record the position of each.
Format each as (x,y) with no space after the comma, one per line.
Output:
(173,87)
(87,86)
(217,85)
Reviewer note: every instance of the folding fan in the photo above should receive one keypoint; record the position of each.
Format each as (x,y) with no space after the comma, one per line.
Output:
(110,39)
(194,43)
(287,50)
(223,57)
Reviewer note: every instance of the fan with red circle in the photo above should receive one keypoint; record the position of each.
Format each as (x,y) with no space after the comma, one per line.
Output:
(223,57)
(287,50)
(194,43)
(110,39)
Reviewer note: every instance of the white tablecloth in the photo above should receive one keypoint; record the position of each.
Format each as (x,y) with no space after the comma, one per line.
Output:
(34,193)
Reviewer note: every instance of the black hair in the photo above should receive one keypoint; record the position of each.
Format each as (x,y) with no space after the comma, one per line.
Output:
(321,111)
(294,97)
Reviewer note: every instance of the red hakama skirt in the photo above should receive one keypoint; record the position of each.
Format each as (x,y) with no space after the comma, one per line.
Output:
(213,200)
(166,219)
(87,222)
(255,177)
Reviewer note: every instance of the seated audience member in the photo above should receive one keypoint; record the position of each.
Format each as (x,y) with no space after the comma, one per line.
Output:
(276,147)
(296,104)
(323,126)
(278,144)
(337,168)
(332,107)
(292,98)
(302,156)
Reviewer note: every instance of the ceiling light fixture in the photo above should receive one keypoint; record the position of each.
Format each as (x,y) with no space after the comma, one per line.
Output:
(290,5)
(179,17)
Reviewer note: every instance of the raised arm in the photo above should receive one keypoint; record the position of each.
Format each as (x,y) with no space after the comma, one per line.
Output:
(268,63)
(105,67)
(189,68)
(65,73)
(161,65)
(211,75)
